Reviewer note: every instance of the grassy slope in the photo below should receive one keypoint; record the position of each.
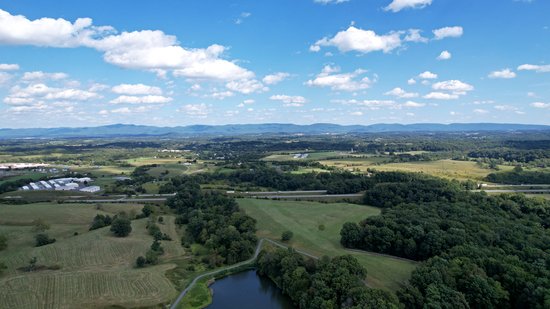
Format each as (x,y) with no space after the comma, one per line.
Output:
(450,169)
(304,218)
(96,268)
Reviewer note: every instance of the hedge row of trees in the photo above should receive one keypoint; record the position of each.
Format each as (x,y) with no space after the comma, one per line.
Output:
(328,283)
(215,221)
(479,251)
(517,177)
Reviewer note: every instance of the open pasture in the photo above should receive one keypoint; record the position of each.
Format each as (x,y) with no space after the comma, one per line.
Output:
(304,220)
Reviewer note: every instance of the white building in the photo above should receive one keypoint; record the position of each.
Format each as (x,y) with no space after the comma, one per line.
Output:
(91,189)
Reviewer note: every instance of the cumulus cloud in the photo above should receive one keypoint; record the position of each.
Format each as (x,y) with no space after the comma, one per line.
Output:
(535,67)
(398,5)
(330,1)
(148,99)
(414,35)
(504,73)
(454,86)
(413,104)
(196,110)
(289,101)
(246,86)
(359,40)
(8,67)
(331,78)
(39,75)
(151,50)
(136,89)
(427,75)
(445,55)
(34,92)
(540,105)
(275,78)
(400,93)
(448,32)
(440,96)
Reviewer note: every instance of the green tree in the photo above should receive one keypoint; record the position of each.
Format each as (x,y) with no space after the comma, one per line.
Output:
(40,226)
(2,267)
(147,210)
(121,227)
(140,262)
(3,242)
(287,235)
(43,239)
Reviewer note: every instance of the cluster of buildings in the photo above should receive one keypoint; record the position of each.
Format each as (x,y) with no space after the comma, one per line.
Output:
(21,166)
(63,184)
(301,156)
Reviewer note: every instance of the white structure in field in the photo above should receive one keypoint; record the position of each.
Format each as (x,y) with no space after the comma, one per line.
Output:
(91,189)
(63,184)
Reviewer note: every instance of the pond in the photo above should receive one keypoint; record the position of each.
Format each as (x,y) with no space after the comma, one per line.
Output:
(247,290)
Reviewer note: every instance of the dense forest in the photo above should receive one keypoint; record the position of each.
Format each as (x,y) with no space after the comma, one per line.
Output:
(479,251)
(214,221)
(328,283)
(518,177)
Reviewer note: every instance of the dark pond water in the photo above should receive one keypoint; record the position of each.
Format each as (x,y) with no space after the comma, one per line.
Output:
(247,290)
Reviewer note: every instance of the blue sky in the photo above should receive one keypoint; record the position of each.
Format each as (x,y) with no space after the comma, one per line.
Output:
(169,63)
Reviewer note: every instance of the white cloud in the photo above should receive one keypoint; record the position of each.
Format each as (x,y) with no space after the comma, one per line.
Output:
(33,92)
(356,113)
(8,67)
(455,86)
(400,93)
(136,89)
(448,32)
(535,67)
(329,77)
(39,75)
(481,111)
(330,1)
(122,110)
(4,77)
(220,95)
(440,96)
(427,75)
(363,41)
(411,81)
(150,50)
(18,30)
(276,78)
(370,104)
(540,105)
(415,36)
(445,55)
(398,5)
(246,86)
(289,101)
(504,73)
(148,99)
(249,101)
(242,17)
(196,110)
(413,104)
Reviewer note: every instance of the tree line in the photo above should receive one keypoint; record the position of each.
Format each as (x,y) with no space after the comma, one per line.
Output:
(479,251)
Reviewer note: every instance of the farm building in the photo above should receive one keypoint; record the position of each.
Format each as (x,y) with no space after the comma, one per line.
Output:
(91,189)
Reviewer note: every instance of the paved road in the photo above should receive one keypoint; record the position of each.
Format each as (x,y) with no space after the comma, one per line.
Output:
(283,192)
(307,196)
(119,200)
(252,259)
(517,191)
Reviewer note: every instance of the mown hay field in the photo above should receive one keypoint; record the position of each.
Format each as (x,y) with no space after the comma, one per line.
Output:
(304,220)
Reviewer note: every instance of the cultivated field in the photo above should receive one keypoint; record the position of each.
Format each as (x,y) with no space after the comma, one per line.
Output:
(95,268)
(304,219)
(450,169)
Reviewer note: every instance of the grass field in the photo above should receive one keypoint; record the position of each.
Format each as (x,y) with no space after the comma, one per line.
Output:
(450,169)
(95,268)
(304,219)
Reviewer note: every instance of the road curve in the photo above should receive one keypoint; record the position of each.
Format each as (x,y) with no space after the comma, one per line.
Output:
(252,259)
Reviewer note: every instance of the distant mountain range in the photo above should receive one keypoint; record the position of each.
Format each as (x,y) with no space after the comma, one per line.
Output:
(128,130)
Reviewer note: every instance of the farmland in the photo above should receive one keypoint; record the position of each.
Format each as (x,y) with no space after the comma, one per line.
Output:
(304,220)
(95,268)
